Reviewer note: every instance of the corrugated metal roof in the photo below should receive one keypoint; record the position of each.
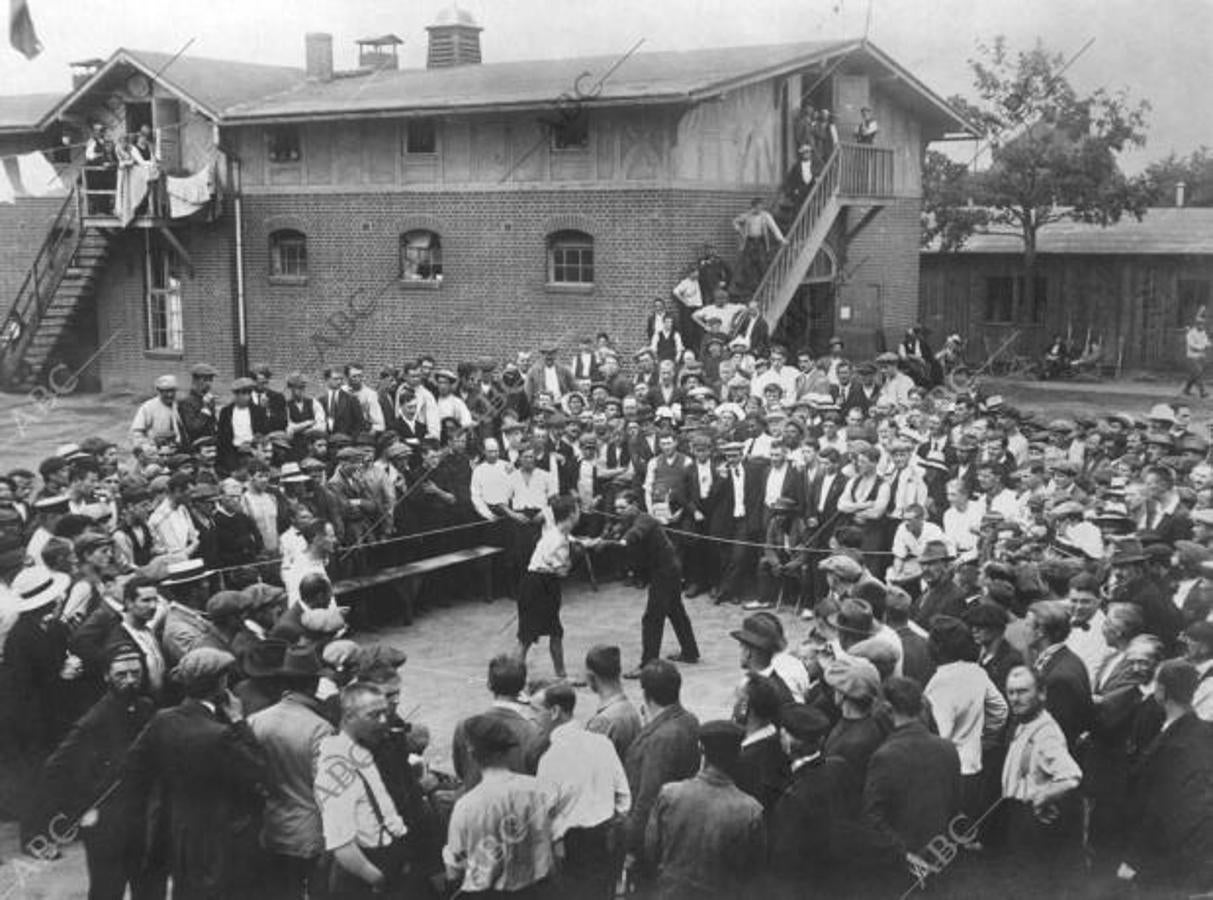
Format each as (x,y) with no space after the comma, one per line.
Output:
(1163,231)
(641,76)
(23,112)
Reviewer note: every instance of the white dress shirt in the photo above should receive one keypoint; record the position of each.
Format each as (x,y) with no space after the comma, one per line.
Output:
(242,425)
(775,480)
(1089,645)
(490,486)
(531,491)
(582,773)
(965,705)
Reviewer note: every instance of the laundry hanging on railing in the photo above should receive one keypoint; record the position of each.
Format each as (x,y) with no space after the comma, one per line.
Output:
(190,193)
(131,189)
(29,175)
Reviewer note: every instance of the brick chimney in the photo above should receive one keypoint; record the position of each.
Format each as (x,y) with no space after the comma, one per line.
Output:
(319,56)
(454,40)
(1180,189)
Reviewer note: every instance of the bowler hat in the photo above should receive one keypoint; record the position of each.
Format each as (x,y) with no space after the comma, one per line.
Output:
(299,661)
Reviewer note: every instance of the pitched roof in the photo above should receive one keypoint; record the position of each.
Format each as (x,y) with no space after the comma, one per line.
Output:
(649,77)
(1163,231)
(664,75)
(24,112)
(213,84)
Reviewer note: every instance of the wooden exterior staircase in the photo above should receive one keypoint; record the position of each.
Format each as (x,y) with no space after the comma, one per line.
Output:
(855,175)
(60,283)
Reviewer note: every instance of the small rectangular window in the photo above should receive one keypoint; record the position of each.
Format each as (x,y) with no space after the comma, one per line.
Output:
(288,254)
(571,133)
(421,136)
(283,144)
(1000,298)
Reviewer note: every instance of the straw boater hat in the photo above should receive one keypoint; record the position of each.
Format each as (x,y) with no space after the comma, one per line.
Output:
(38,586)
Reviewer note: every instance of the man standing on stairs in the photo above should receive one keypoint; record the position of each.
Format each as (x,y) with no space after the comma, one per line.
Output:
(756,228)
(799,181)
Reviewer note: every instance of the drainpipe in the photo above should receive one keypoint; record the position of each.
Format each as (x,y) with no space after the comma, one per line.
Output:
(241,312)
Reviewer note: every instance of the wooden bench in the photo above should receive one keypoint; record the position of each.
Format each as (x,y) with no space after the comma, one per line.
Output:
(400,575)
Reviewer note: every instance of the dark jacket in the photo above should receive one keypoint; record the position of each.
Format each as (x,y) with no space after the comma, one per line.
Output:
(523,758)
(912,790)
(807,838)
(707,840)
(88,763)
(227,458)
(1067,693)
(999,666)
(916,660)
(1172,801)
(649,548)
(667,749)
(345,416)
(211,775)
(762,771)
(274,404)
(755,482)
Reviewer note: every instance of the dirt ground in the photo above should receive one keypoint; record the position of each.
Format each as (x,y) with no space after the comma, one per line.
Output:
(444,679)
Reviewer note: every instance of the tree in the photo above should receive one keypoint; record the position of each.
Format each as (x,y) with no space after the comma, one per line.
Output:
(1053,152)
(1196,172)
(948,216)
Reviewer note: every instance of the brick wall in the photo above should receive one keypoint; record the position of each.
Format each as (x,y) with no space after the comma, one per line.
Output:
(23,228)
(207,304)
(493,298)
(881,284)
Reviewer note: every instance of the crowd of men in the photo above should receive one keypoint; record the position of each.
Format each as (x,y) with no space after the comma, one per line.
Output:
(1003,657)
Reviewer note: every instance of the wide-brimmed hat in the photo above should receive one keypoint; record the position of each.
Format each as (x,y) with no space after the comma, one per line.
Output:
(264,659)
(292,474)
(38,586)
(935,551)
(854,617)
(1128,552)
(757,633)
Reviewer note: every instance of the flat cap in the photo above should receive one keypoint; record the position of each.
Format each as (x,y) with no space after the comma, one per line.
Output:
(202,663)
(853,677)
(203,370)
(721,733)
(243,384)
(227,603)
(843,566)
(166,383)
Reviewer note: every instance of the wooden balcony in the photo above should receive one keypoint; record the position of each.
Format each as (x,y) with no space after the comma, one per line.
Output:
(865,172)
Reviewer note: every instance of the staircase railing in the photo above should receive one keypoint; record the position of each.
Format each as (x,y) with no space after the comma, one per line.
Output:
(853,170)
(38,289)
(824,189)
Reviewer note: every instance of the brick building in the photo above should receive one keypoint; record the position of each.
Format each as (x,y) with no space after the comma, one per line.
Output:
(475,208)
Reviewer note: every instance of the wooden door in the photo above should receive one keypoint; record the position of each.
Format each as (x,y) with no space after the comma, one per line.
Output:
(851,94)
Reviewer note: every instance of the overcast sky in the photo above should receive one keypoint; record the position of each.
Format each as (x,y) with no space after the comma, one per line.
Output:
(1160,51)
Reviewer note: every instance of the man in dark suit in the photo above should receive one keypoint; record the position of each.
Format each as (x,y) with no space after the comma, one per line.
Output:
(762,770)
(83,777)
(651,552)
(1060,671)
(212,774)
(665,750)
(585,364)
(506,680)
(738,516)
(239,422)
(863,392)
(342,411)
(808,829)
(913,782)
(702,560)
(1171,846)
(821,510)
(270,400)
(781,481)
